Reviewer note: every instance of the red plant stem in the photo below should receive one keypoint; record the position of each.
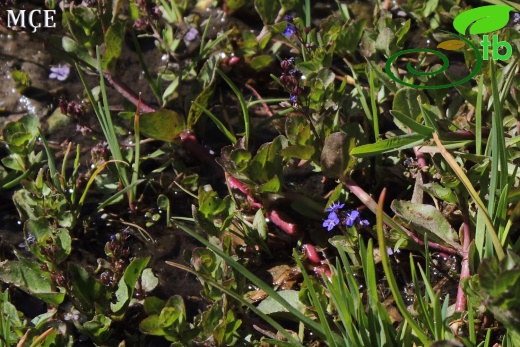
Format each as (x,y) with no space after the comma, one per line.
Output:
(460,303)
(366,199)
(126,92)
(312,255)
(318,270)
(283,221)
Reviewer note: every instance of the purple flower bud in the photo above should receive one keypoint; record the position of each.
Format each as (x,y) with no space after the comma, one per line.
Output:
(290,30)
(288,18)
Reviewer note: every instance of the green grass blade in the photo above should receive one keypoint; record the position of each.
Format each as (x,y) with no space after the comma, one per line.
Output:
(315,327)
(391,279)
(466,182)
(243,301)
(478,117)
(242,102)
(218,123)
(316,301)
(52,164)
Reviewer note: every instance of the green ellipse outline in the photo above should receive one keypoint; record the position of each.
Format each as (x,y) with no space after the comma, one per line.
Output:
(445,65)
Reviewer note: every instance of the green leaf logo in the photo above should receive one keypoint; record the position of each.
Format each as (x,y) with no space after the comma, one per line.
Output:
(483,19)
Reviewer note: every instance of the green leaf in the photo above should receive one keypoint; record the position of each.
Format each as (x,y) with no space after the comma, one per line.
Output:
(482,20)
(152,326)
(260,224)
(261,61)
(71,46)
(410,123)
(165,125)
(114,45)
(199,104)
(304,152)
(153,305)
(148,280)
(388,145)
(272,305)
(126,286)
(84,287)
(27,275)
(406,101)
(268,10)
(426,219)
(271,186)
(98,329)
(440,192)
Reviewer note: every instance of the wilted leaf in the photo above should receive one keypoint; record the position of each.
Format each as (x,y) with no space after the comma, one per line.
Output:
(335,156)
(426,219)
(163,124)
(451,45)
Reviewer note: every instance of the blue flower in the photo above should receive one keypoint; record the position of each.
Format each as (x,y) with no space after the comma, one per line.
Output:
(60,72)
(516,18)
(335,207)
(294,98)
(290,30)
(288,18)
(331,222)
(351,218)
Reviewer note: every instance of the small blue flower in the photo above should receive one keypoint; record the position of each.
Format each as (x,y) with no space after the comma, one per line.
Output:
(516,18)
(294,98)
(331,222)
(290,30)
(288,18)
(60,72)
(335,207)
(351,218)
(191,35)
(364,222)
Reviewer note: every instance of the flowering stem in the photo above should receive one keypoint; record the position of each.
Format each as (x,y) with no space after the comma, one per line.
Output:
(460,303)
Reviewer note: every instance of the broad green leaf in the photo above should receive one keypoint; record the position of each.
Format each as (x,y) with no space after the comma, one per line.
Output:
(126,286)
(388,145)
(153,305)
(271,186)
(148,280)
(304,152)
(28,275)
(261,61)
(268,10)
(152,326)
(426,219)
(84,287)
(482,20)
(165,125)
(271,305)
(114,44)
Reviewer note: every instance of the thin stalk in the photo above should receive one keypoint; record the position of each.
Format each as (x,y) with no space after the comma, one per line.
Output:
(478,117)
